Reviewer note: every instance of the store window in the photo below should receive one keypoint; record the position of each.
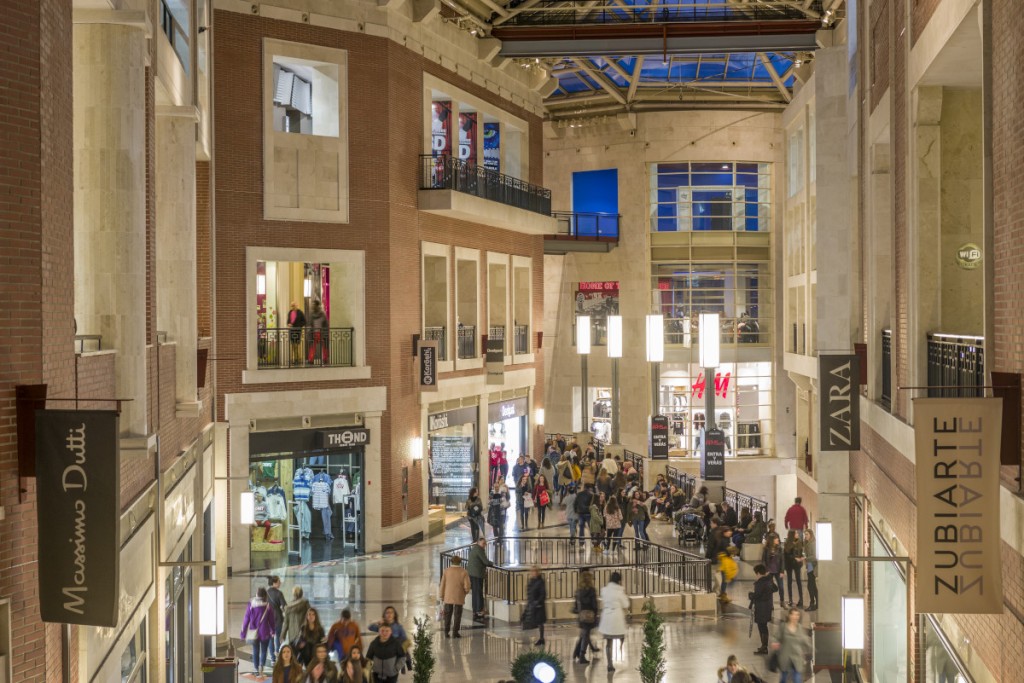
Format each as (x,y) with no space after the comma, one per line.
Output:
(305,97)
(451,445)
(741,294)
(888,616)
(178,631)
(175,25)
(703,196)
(507,429)
(942,663)
(134,657)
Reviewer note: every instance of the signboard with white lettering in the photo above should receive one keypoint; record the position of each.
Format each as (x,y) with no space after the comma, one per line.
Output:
(495,358)
(712,460)
(78,463)
(451,469)
(517,407)
(957,443)
(344,437)
(659,437)
(426,351)
(451,418)
(839,402)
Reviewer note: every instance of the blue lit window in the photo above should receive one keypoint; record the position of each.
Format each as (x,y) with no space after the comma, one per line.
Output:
(705,196)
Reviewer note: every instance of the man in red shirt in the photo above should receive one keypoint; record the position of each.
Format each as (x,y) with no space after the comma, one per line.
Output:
(796,518)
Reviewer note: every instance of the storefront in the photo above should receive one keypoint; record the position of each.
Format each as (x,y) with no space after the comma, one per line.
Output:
(451,444)
(507,429)
(309,495)
(178,620)
(743,407)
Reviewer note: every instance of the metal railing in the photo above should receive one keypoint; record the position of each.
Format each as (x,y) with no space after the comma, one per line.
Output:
(521,339)
(558,13)
(735,330)
(583,225)
(496,332)
(956,366)
(646,568)
(738,501)
(886,398)
(305,347)
(177,35)
(82,339)
(687,483)
(449,173)
(466,342)
(637,461)
(440,335)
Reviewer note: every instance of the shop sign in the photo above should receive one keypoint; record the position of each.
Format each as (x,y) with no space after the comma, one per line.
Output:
(78,462)
(495,357)
(659,437)
(712,461)
(968,256)
(343,437)
(839,402)
(451,418)
(957,443)
(517,407)
(426,351)
(721,385)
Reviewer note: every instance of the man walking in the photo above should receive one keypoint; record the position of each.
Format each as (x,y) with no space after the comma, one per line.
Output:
(796,518)
(277,604)
(582,505)
(476,567)
(455,586)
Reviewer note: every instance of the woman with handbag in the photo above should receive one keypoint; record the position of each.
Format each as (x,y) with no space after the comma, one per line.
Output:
(524,492)
(542,498)
(585,609)
(475,513)
(614,607)
(536,614)
(257,627)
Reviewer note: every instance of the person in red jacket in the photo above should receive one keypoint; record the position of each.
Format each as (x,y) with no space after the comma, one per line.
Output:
(796,518)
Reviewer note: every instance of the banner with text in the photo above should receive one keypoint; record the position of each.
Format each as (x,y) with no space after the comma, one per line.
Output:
(426,352)
(839,402)
(958,544)
(77,474)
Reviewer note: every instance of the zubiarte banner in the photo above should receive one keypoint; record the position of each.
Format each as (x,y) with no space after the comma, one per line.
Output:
(839,402)
(77,474)
(957,453)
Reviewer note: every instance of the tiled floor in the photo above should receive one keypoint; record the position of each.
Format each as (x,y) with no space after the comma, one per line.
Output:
(408,580)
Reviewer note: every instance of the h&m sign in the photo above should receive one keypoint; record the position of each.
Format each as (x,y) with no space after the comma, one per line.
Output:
(839,402)
(344,437)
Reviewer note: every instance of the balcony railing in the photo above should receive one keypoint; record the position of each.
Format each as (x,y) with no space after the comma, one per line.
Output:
(305,347)
(583,226)
(522,339)
(886,398)
(496,332)
(742,330)
(438,334)
(956,366)
(738,501)
(466,341)
(81,340)
(449,173)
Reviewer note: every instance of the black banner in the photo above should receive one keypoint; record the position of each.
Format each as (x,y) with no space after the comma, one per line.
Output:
(712,460)
(77,474)
(495,359)
(343,437)
(839,402)
(659,437)
(428,365)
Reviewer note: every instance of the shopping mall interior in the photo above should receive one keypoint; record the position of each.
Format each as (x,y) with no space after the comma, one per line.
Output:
(344,284)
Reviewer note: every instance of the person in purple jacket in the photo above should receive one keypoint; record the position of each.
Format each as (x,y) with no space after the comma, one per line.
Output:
(259,619)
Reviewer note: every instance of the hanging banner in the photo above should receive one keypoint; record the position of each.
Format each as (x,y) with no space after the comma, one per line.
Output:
(957,443)
(467,137)
(426,352)
(659,437)
(712,457)
(77,474)
(492,147)
(598,300)
(495,358)
(839,402)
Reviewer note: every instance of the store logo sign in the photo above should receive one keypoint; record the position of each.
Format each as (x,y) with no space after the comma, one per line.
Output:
(427,352)
(342,438)
(839,402)
(721,385)
(439,421)
(968,256)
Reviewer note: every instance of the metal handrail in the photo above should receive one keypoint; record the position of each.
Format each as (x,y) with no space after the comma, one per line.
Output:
(956,365)
(637,461)
(450,173)
(587,225)
(466,342)
(438,333)
(886,396)
(305,347)
(738,501)
(81,339)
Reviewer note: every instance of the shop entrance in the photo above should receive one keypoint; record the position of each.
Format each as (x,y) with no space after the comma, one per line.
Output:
(507,431)
(451,444)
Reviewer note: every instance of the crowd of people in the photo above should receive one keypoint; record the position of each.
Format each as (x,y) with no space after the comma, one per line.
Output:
(289,640)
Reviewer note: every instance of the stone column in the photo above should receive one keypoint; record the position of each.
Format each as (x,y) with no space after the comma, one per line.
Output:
(176,245)
(110,198)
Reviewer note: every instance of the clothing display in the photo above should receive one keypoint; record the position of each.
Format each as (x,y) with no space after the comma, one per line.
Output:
(301,483)
(320,491)
(277,503)
(340,489)
(304,519)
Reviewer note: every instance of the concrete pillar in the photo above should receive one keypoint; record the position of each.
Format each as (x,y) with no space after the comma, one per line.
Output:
(110,201)
(176,245)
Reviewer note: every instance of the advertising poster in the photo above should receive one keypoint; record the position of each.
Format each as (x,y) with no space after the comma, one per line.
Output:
(598,300)
(956,444)
(467,137)
(492,147)
(712,462)
(441,128)
(659,437)
(451,469)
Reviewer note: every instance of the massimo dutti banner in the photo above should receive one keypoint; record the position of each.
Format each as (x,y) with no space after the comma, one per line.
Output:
(77,474)
(839,402)
(957,453)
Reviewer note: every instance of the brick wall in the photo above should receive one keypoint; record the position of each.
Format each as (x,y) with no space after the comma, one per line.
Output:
(204,243)
(900,148)
(878,26)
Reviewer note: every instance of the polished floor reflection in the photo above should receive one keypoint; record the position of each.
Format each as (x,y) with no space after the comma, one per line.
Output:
(408,580)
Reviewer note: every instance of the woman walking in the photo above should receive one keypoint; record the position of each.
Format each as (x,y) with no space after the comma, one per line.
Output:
(287,669)
(310,635)
(524,494)
(614,606)
(613,523)
(772,559)
(475,513)
(542,497)
(639,516)
(811,563)
(792,648)
(536,614)
(585,609)
(793,554)
(321,669)
(496,509)
(257,627)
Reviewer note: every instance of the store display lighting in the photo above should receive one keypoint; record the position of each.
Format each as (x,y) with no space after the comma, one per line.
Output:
(247,508)
(853,622)
(211,608)
(615,336)
(307,287)
(710,339)
(583,334)
(823,538)
(261,284)
(655,338)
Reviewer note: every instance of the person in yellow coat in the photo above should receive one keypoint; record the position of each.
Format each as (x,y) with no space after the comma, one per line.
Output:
(728,568)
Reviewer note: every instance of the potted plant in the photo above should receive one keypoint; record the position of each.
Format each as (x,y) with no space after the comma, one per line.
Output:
(525,664)
(652,656)
(423,660)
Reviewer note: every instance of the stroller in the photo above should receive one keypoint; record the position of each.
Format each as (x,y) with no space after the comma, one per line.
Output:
(689,528)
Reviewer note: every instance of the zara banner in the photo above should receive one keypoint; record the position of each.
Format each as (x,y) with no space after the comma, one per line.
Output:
(839,402)
(77,474)
(957,453)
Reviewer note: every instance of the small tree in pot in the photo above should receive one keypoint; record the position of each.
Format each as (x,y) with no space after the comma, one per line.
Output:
(423,660)
(652,656)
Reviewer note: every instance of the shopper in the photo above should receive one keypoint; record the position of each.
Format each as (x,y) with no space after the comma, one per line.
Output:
(257,628)
(585,608)
(550,474)
(614,608)
(584,499)
(596,523)
(728,673)
(390,618)
(728,515)
(792,646)
(344,635)
(294,616)
(321,669)
(310,635)
(796,517)
(386,655)
(296,322)
(772,559)
(524,494)
(287,669)
(613,523)
(455,586)
(762,603)
(319,328)
(475,514)
(542,493)
(811,564)
(355,663)
(728,568)
(497,509)
(477,570)
(536,615)
(568,503)
(755,531)
(277,603)
(793,558)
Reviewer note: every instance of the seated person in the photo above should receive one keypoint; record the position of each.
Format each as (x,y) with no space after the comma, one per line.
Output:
(740,534)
